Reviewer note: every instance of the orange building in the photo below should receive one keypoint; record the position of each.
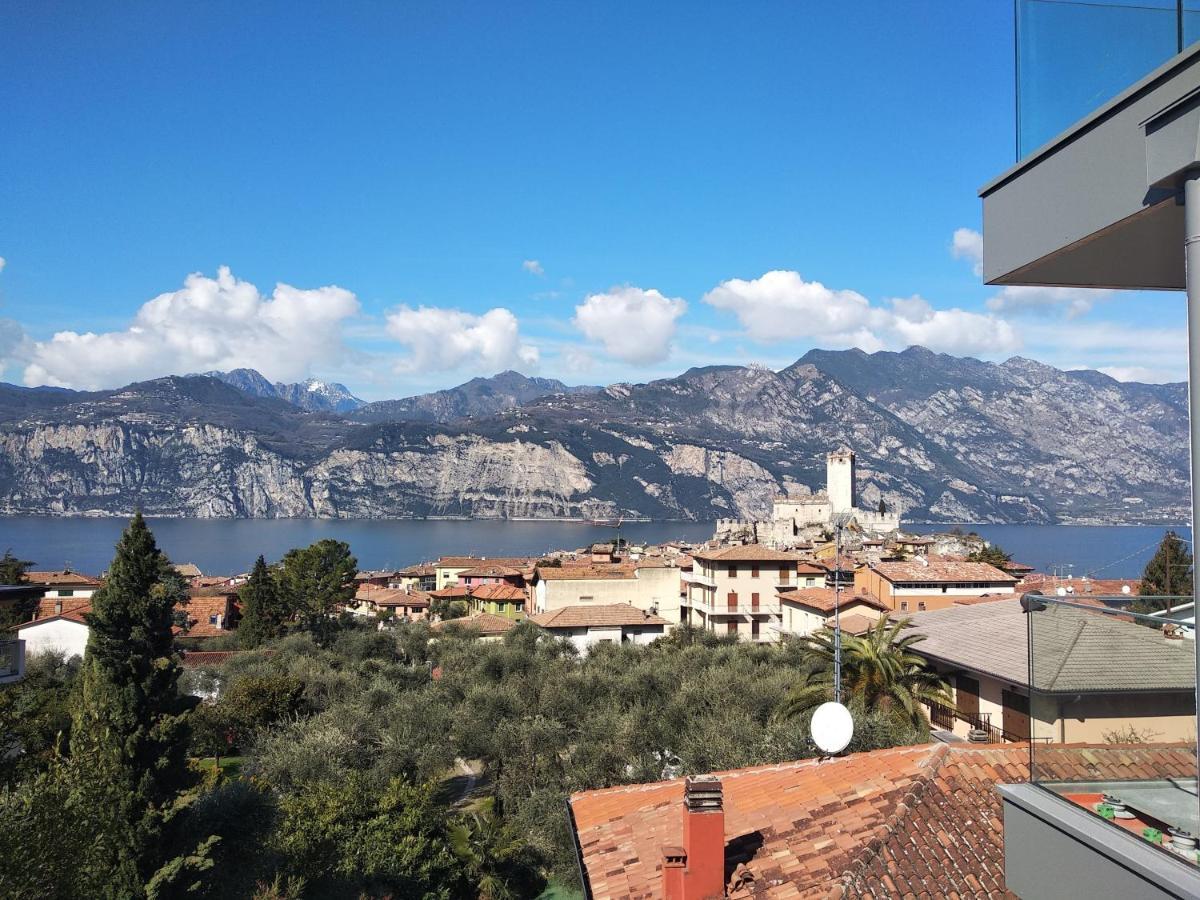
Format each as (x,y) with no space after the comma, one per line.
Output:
(921,584)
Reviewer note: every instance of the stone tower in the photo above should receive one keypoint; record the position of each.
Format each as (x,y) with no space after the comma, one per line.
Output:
(839,480)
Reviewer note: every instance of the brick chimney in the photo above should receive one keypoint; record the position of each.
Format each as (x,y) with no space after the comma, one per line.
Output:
(696,871)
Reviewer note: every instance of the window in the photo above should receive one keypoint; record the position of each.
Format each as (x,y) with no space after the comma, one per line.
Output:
(731,628)
(731,601)
(903,606)
(731,571)
(212,620)
(754,571)
(785,575)
(920,604)
(587,599)
(754,628)
(69,592)
(754,601)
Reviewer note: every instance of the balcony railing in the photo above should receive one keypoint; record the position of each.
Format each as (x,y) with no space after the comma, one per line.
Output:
(723,608)
(980,727)
(1075,55)
(1114,689)
(698,578)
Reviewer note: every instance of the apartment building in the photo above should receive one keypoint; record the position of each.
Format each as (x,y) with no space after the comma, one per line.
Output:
(650,584)
(735,590)
(922,584)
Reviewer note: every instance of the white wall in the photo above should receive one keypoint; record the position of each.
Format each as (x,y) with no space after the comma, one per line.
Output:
(585,638)
(62,635)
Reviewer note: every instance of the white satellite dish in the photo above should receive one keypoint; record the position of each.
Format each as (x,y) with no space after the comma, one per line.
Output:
(832,727)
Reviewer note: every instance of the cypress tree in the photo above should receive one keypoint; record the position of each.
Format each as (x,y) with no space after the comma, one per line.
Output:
(130,722)
(263,614)
(1169,573)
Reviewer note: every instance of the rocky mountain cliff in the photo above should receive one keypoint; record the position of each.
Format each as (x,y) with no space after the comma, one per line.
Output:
(943,438)
(478,397)
(312,395)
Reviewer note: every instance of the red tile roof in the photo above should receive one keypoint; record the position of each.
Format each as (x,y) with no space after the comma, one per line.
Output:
(389,598)
(73,616)
(66,578)
(200,610)
(467,562)
(504,592)
(746,553)
(822,599)
(453,592)
(606,615)
(487,624)
(490,570)
(906,822)
(855,623)
(597,572)
(197,659)
(50,606)
(421,571)
(942,570)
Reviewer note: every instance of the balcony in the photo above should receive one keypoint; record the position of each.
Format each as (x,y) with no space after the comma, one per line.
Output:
(722,608)
(12,661)
(1112,792)
(697,578)
(1074,55)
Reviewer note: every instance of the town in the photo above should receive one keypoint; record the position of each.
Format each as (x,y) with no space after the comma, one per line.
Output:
(954,608)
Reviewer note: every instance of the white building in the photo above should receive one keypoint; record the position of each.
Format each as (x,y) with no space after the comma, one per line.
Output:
(615,623)
(66,634)
(650,584)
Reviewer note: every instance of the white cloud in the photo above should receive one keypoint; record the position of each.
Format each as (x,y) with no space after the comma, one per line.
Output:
(951,330)
(1075,302)
(533,267)
(440,339)
(210,323)
(967,244)
(3,263)
(1143,374)
(577,360)
(633,324)
(782,306)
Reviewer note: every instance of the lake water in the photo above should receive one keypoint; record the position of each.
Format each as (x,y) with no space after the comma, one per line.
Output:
(223,546)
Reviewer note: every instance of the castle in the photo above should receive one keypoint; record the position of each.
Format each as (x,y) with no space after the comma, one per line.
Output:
(798,518)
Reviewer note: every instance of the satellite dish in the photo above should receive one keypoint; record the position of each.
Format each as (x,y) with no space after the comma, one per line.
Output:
(832,727)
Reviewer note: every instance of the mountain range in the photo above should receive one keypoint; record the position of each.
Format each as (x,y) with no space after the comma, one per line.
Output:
(940,437)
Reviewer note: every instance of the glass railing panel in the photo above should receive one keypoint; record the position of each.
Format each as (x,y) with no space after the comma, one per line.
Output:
(1075,55)
(1191,22)
(1113,714)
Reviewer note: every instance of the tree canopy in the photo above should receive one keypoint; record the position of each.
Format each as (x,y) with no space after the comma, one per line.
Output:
(1167,574)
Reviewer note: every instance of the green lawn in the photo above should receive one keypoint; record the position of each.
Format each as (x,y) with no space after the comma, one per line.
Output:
(556,891)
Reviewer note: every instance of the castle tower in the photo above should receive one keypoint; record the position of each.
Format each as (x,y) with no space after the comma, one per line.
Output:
(840,480)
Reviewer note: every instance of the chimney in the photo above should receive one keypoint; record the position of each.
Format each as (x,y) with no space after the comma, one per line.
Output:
(696,871)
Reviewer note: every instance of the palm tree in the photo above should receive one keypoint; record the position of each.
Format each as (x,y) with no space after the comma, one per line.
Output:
(879,671)
(489,852)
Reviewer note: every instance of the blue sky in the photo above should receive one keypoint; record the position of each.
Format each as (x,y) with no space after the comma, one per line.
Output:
(599,192)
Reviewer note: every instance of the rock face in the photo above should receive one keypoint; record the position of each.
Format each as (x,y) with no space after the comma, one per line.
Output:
(312,395)
(941,438)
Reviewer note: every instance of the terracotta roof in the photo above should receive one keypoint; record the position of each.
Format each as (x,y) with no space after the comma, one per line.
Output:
(453,592)
(822,598)
(855,623)
(73,616)
(810,568)
(197,659)
(490,571)
(1049,584)
(506,592)
(746,553)
(910,821)
(418,571)
(66,578)
(597,572)
(199,612)
(485,623)
(942,570)
(49,606)
(907,822)
(606,615)
(392,597)
(467,562)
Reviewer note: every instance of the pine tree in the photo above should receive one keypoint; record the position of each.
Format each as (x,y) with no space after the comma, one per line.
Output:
(314,581)
(130,722)
(12,571)
(992,554)
(263,613)
(1169,573)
